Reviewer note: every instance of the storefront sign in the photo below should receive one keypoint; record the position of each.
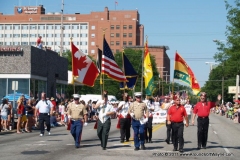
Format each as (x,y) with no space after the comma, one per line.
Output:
(11,49)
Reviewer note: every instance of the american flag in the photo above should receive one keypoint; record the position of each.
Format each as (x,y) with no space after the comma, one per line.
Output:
(109,66)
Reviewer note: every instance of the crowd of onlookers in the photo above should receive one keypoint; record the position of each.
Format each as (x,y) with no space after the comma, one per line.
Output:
(229,110)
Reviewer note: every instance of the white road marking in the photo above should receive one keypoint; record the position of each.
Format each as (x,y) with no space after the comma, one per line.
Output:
(41,141)
(226,150)
(214,132)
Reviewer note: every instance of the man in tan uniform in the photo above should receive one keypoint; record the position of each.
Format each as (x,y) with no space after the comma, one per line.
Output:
(77,114)
(137,110)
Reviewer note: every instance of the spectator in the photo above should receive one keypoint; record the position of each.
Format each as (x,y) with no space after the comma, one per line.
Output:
(39,40)
(54,104)
(62,112)
(4,111)
(29,113)
(53,120)
(20,108)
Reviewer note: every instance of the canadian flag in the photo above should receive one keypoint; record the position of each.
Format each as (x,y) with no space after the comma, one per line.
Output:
(83,68)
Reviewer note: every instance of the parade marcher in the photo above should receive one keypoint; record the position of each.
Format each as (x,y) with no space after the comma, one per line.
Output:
(148,125)
(165,106)
(45,108)
(137,110)
(188,108)
(105,110)
(125,119)
(77,115)
(175,116)
(202,109)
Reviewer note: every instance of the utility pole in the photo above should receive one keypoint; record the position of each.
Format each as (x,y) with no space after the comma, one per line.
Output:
(237,85)
(62,28)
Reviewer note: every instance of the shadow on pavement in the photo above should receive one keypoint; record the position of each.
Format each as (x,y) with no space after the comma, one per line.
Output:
(35,152)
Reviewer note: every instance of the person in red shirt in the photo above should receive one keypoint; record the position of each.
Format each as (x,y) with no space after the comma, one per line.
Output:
(176,114)
(202,109)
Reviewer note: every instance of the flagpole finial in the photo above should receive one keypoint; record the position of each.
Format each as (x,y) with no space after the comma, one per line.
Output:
(104,29)
(123,49)
(71,39)
(146,37)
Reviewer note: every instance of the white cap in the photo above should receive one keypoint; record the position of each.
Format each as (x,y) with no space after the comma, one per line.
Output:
(138,94)
(76,96)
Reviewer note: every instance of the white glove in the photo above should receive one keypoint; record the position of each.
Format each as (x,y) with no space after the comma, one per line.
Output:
(104,114)
(145,120)
(132,115)
(85,124)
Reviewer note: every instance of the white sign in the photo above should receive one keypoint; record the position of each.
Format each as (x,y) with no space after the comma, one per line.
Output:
(159,116)
(30,10)
(232,89)
(14,85)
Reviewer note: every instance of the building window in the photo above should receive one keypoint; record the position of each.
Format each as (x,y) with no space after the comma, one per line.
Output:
(93,51)
(129,34)
(124,34)
(1,27)
(74,26)
(57,26)
(130,27)
(67,26)
(86,43)
(112,34)
(50,27)
(24,43)
(41,27)
(117,34)
(130,43)
(124,43)
(93,43)
(112,26)
(8,27)
(124,26)
(16,27)
(117,26)
(24,35)
(1,35)
(33,27)
(112,43)
(15,35)
(93,35)
(24,27)
(93,27)
(117,43)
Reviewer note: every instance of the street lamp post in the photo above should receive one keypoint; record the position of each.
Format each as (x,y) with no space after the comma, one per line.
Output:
(159,79)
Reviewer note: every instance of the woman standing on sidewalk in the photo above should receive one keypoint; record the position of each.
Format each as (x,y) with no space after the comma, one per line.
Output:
(4,109)
(29,114)
(20,108)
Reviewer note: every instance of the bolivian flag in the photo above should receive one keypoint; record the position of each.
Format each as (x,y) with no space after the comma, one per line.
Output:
(147,72)
(184,73)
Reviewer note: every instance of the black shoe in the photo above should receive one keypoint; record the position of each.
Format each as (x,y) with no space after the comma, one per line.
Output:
(127,140)
(122,141)
(76,146)
(146,141)
(204,147)
(199,147)
(181,150)
(167,141)
(103,148)
(174,149)
(143,147)
(136,148)
(150,141)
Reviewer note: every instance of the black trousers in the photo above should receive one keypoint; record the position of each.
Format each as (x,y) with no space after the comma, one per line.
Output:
(202,133)
(125,124)
(177,130)
(103,131)
(148,129)
(44,117)
(169,131)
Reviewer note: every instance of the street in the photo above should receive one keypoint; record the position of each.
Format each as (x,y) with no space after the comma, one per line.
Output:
(223,143)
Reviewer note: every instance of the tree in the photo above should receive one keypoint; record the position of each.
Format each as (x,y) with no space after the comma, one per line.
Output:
(228,55)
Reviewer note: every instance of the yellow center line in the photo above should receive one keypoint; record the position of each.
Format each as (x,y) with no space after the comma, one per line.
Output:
(155,128)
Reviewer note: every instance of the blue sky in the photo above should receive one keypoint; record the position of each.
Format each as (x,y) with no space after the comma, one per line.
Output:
(185,26)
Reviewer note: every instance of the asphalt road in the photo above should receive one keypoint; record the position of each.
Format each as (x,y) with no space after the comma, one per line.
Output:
(223,143)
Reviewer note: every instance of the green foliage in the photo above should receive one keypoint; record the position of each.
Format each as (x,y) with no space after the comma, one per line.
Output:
(228,56)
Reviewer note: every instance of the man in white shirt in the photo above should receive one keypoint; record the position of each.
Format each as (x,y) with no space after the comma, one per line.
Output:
(45,108)
(188,108)
(104,121)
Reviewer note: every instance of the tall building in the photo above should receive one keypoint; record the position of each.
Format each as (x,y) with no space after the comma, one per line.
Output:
(86,30)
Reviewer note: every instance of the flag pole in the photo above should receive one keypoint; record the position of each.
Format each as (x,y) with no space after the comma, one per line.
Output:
(174,73)
(143,65)
(73,81)
(100,81)
(123,69)
(104,29)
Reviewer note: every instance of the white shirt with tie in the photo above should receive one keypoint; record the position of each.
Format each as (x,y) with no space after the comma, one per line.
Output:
(103,109)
